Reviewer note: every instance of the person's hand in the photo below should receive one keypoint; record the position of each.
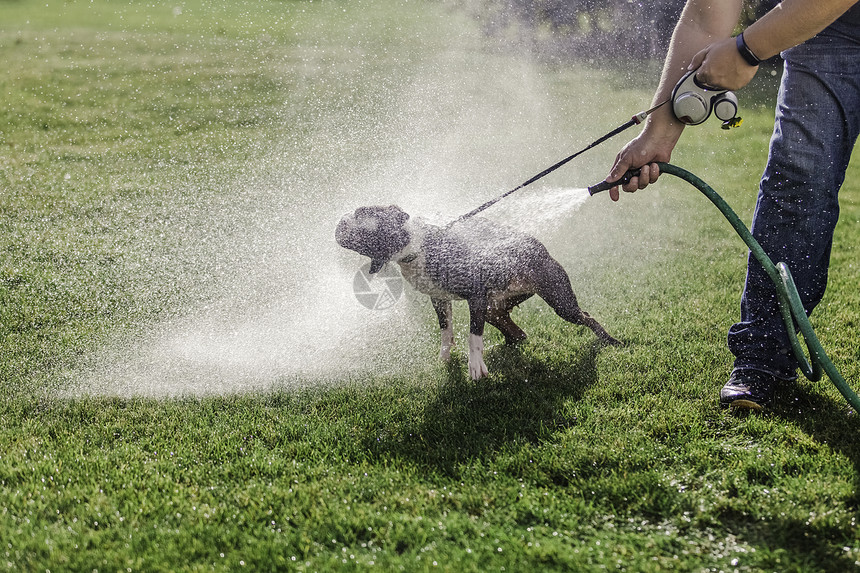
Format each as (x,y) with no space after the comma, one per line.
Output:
(648,173)
(654,144)
(721,66)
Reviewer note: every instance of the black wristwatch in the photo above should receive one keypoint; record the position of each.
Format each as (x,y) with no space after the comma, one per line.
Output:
(745,51)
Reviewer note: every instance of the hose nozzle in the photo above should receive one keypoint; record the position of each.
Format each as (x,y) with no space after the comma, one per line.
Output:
(606,185)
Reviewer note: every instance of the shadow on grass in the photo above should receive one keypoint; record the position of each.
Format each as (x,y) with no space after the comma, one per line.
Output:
(827,421)
(468,420)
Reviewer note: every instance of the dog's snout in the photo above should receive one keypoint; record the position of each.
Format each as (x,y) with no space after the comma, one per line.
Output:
(343,233)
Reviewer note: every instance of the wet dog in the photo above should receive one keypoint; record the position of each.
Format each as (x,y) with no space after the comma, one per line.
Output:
(492,267)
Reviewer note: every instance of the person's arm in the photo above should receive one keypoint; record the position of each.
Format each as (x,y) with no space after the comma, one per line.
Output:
(702,23)
(702,40)
(790,23)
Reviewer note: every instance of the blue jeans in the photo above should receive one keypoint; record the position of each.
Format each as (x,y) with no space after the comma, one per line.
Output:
(816,127)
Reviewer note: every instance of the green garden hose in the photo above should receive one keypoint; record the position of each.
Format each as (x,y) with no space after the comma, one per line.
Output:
(790,305)
(789,299)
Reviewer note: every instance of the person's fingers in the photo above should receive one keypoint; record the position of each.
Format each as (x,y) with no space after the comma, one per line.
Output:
(654,173)
(697,60)
(648,174)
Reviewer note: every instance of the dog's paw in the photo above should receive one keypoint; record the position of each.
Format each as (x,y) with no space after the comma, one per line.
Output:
(610,341)
(477,368)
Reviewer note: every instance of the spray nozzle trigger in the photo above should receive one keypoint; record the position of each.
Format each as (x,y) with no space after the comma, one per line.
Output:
(606,185)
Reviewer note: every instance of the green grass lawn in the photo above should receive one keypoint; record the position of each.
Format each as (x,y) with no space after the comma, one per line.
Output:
(148,155)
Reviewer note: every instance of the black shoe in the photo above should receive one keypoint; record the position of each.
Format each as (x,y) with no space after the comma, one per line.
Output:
(748,389)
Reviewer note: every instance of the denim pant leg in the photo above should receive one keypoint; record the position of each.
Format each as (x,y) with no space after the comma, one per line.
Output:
(817,122)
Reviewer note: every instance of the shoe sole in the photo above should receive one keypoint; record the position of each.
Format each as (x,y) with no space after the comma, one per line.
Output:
(745,405)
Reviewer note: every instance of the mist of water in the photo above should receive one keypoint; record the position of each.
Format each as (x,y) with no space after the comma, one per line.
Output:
(453,134)
(541,212)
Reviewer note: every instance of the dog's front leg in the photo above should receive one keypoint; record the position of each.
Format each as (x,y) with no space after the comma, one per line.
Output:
(477,317)
(446,326)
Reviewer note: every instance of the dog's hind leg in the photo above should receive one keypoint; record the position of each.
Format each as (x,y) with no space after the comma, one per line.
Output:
(477,318)
(446,327)
(499,315)
(555,289)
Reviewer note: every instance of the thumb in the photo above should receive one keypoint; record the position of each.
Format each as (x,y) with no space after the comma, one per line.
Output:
(697,60)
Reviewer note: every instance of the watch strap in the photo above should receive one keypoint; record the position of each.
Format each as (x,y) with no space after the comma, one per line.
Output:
(745,51)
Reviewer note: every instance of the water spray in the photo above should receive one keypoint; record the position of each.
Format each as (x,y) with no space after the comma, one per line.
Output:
(790,305)
(635,120)
(692,103)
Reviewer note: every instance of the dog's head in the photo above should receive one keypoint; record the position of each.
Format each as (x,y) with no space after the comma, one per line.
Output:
(376,232)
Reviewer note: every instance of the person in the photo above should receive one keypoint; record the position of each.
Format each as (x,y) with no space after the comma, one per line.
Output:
(816,126)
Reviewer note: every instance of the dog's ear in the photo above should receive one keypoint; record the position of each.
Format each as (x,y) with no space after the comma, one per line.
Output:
(397,215)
